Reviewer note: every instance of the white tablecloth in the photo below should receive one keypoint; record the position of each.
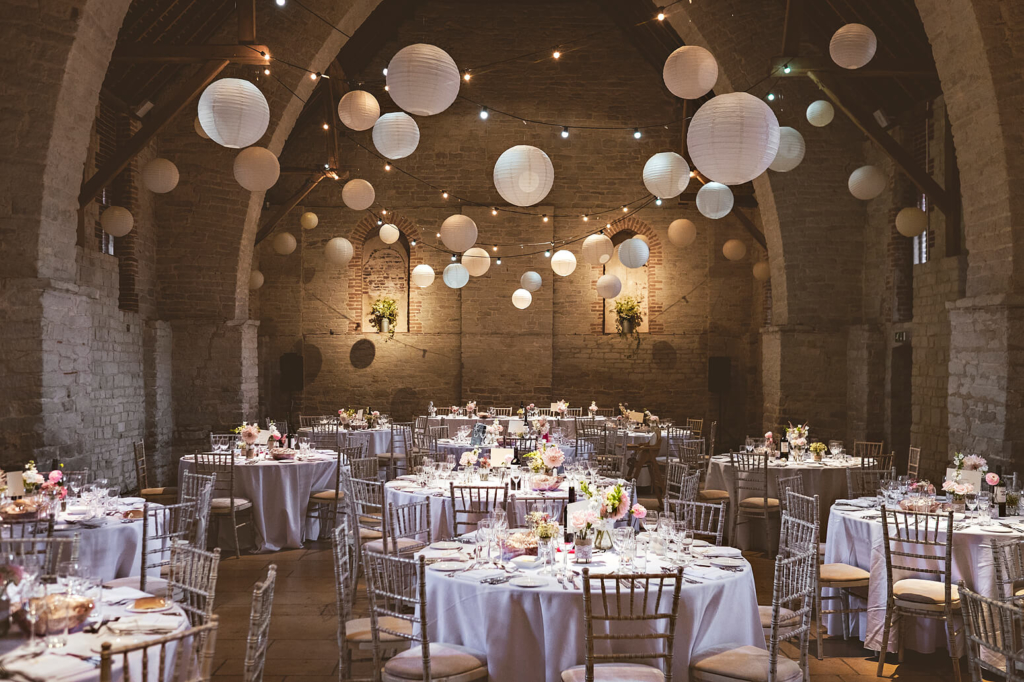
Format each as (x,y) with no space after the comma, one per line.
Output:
(377,440)
(113,550)
(568,424)
(450,446)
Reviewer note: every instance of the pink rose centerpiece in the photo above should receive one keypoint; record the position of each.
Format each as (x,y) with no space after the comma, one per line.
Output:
(469,457)
(958,489)
(593,408)
(992,478)
(52,485)
(562,408)
(612,504)
(543,462)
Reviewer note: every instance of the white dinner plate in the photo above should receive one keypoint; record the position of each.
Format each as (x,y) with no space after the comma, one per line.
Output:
(528,581)
(132,500)
(527,561)
(728,562)
(997,529)
(847,507)
(446,544)
(701,543)
(448,566)
(958,516)
(132,609)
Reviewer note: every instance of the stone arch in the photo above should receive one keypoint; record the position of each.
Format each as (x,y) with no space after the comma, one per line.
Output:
(633,226)
(364,237)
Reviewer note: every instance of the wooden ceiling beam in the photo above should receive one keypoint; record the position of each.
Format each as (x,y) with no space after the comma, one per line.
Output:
(803,66)
(185,54)
(750,227)
(792,29)
(279,212)
(246,22)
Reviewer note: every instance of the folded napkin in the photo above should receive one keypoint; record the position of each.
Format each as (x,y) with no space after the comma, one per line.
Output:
(707,572)
(49,666)
(722,552)
(862,502)
(116,594)
(152,623)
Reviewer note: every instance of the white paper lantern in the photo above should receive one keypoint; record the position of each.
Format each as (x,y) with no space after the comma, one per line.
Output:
(563,262)
(477,261)
(733,138)
(734,249)
(309,220)
(234,113)
(633,253)
(853,46)
(522,299)
(160,176)
(458,232)
(867,182)
(358,194)
(791,150)
(531,281)
(455,275)
(197,124)
(358,110)
(423,79)
(761,271)
(117,221)
(284,243)
(255,280)
(523,175)
(396,135)
(608,286)
(714,200)
(257,169)
(820,113)
(597,249)
(666,175)
(389,234)
(423,275)
(338,251)
(682,232)
(690,72)
(911,221)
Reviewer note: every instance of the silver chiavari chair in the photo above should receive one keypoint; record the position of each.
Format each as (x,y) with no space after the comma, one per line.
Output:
(192,581)
(198,490)
(1008,557)
(47,552)
(868,451)
(408,529)
(675,472)
(401,450)
(703,518)
(259,627)
(222,442)
(784,483)
(161,527)
(189,653)
(696,426)
(913,462)
(749,495)
(162,495)
(501,411)
(327,504)
(470,503)
(866,482)
(226,503)
(992,629)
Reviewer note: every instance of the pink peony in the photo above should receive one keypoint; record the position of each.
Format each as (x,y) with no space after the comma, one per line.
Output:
(250,433)
(56,476)
(553,458)
(974,462)
(622,509)
(468,458)
(962,488)
(582,519)
(992,478)
(639,511)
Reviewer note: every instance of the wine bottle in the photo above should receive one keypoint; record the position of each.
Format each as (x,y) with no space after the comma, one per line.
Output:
(568,535)
(784,450)
(999,495)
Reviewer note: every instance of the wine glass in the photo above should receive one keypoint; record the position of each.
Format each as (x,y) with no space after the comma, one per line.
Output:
(971,499)
(499,519)
(34,594)
(749,444)
(619,536)
(484,531)
(984,505)
(835,447)
(684,541)
(515,473)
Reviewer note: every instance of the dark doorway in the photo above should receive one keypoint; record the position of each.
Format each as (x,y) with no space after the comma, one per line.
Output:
(900,396)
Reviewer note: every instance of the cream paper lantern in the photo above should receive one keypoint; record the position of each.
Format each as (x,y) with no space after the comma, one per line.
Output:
(690,72)
(523,175)
(396,135)
(160,176)
(255,280)
(633,253)
(358,194)
(197,124)
(867,182)
(597,249)
(608,286)
(477,261)
(117,221)
(666,175)
(423,275)
(338,251)
(234,113)
(761,271)
(734,249)
(308,220)
(853,46)
(423,79)
(531,281)
(455,276)
(911,221)
(257,169)
(563,262)
(458,232)
(733,138)
(285,243)
(388,233)
(521,298)
(714,200)
(820,113)
(682,232)
(791,150)
(358,110)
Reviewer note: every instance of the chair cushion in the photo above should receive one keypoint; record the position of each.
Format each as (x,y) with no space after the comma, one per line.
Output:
(221,504)
(649,503)
(787,618)
(748,663)
(403,545)
(446,660)
(712,495)
(154,586)
(327,495)
(167,490)
(758,503)
(368,534)
(924,592)
(842,573)
(615,672)
(359,629)
(1018,588)
(391,455)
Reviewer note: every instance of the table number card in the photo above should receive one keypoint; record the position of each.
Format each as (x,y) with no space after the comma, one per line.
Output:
(637,417)
(516,426)
(479,434)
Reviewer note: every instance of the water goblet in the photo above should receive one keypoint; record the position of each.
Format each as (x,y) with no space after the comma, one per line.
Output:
(484,533)
(619,536)
(498,518)
(984,506)
(55,607)
(749,444)
(34,595)
(835,447)
(971,499)
(515,473)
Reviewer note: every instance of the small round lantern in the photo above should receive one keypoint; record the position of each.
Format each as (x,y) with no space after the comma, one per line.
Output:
(522,299)
(714,200)
(257,169)
(597,249)
(733,138)
(608,286)
(820,113)
(867,182)
(233,112)
(160,176)
(338,251)
(477,261)
(358,110)
(308,220)
(853,46)
(633,253)
(423,79)
(455,276)
(388,233)
(911,221)
(255,280)
(734,249)
(531,281)
(458,232)
(117,221)
(523,175)
(690,72)
(682,232)
(358,194)
(563,263)
(396,135)
(791,150)
(666,175)
(423,275)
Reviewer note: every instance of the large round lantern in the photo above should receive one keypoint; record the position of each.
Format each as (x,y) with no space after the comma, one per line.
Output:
(531,281)
(734,249)
(633,253)
(911,221)
(455,276)
(423,275)
(458,232)
(198,126)
(257,169)
(338,251)
(233,112)
(563,263)
(761,271)
(682,232)
(117,221)
(867,182)
(477,261)
(255,280)
(733,138)
(423,79)
(598,249)
(666,175)
(608,286)
(285,243)
(523,175)
(358,110)
(791,150)
(521,298)
(820,113)
(160,176)
(388,233)
(358,194)
(396,135)
(308,220)
(690,72)
(853,46)
(714,200)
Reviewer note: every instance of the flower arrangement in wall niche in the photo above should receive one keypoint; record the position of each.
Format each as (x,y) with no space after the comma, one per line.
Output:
(384,316)
(629,317)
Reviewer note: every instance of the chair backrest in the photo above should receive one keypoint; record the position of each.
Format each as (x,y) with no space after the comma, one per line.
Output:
(192,581)
(198,490)
(324,439)
(867,450)
(607,604)
(751,477)
(695,425)
(1008,557)
(470,503)
(326,424)
(163,525)
(674,474)
(141,471)
(605,412)
(410,521)
(41,526)
(189,654)
(803,507)
(612,466)
(866,482)
(521,505)
(797,536)
(794,590)
(992,629)
(308,421)
(784,483)
(918,543)
(705,519)
(402,438)
(48,552)
(222,468)
(501,411)
(367,468)
(913,462)
(397,589)
(435,433)
(259,626)
(345,549)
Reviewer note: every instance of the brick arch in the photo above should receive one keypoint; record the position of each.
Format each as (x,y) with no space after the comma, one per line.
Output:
(365,230)
(655,275)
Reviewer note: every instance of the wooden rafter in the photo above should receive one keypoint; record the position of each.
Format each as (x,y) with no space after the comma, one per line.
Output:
(279,212)
(751,227)
(792,28)
(185,54)
(246,21)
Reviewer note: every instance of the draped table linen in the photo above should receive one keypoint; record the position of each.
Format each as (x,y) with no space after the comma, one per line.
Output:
(107,548)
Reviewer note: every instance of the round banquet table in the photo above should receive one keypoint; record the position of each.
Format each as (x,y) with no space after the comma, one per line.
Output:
(377,441)
(279,492)
(453,447)
(535,634)
(107,548)
(567,424)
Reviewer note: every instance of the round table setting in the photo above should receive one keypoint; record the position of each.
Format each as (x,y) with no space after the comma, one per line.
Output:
(377,440)
(566,424)
(452,446)
(109,545)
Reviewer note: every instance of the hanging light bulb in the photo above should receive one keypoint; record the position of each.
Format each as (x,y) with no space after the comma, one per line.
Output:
(314,76)
(585,218)
(326,127)
(499,261)
(545,217)
(565,131)
(387,166)
(657,202)
(439,235)
(466,76)
(483,112)
(547,253)
(786,69)
(624,209)
(413,242)
(383,211)
(453,257)
(444,194)
(280,3)
(379,221)
(494,211)
(385,70)
(266,72)
(661,14)
(770,97)
(556,54)
(636,133)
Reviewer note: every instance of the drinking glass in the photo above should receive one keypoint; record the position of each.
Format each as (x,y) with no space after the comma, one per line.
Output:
(483,539)
(498,519)
(984,505)
(55,607)
(650,522)
(627,553)
(34,595)
(619,536)
(1012,498)
(92,588)
(514,474)
(972,503)
(749,444)
(835,447)
(684,542)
